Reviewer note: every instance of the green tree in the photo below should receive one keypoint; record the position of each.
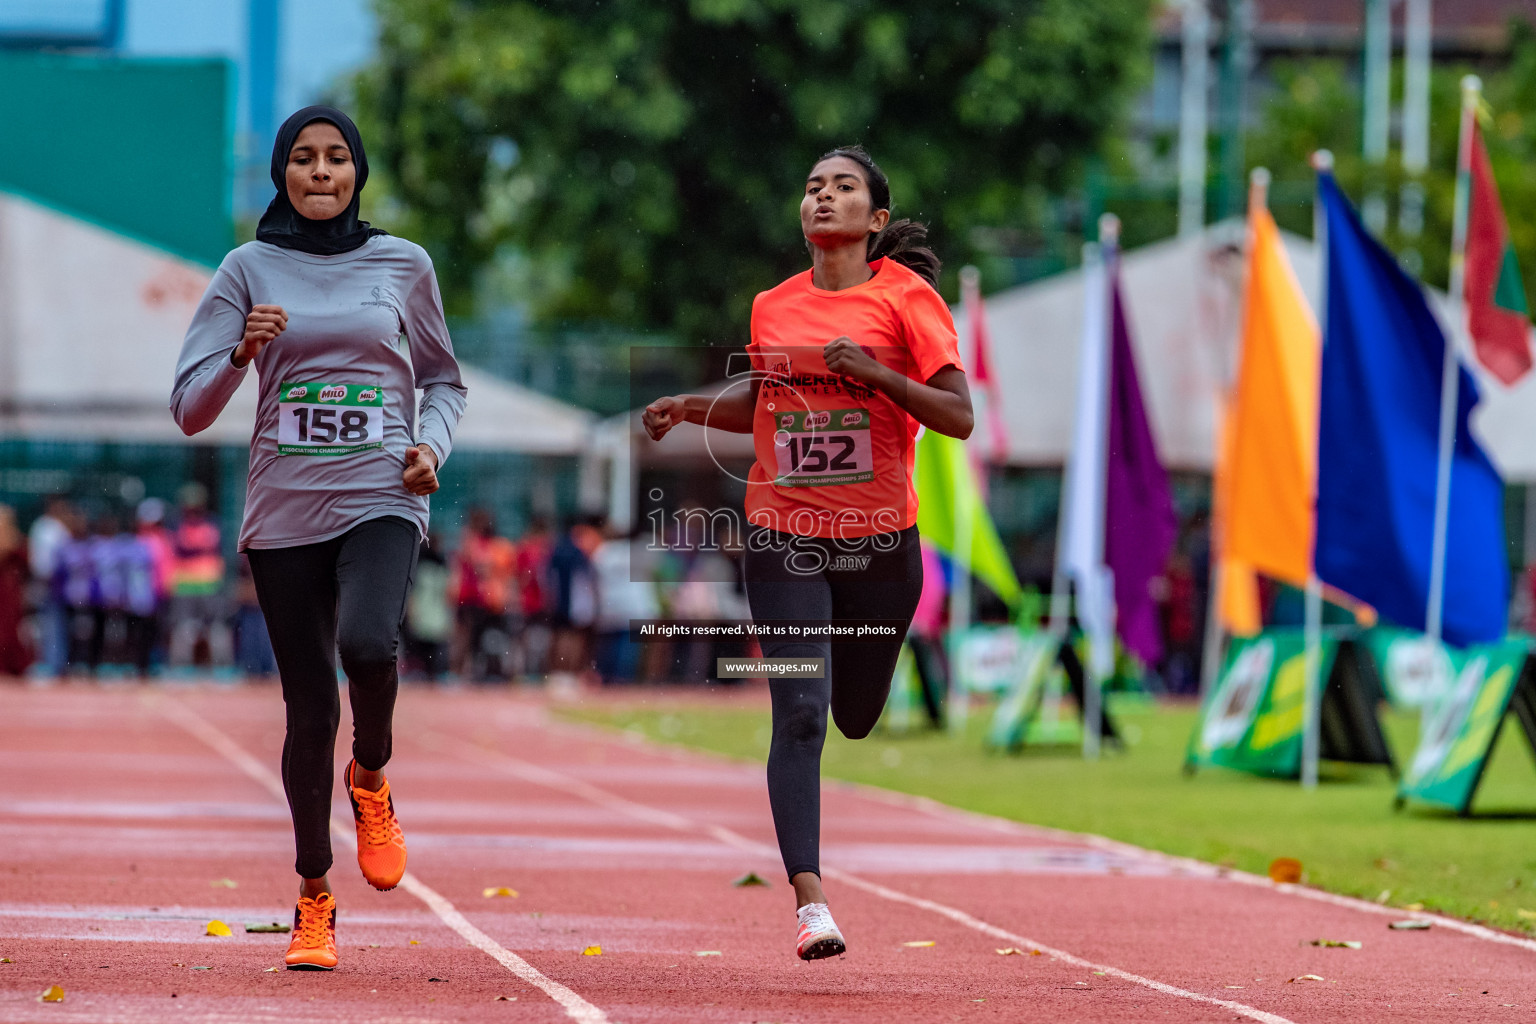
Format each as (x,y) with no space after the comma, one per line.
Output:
(1315,105)
(640,161)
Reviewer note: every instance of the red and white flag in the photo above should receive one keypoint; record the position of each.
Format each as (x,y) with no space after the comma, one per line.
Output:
(989,443)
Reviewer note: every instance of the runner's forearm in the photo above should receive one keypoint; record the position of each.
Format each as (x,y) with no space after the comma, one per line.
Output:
(731,412)
(948,412)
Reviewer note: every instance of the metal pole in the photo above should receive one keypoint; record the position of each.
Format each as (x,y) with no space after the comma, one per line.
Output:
(1237,61)
(960,616)
(1378,108)
(1193,98)
(1416,69)
(1471,89)
(1102,589)
(1061,578)
(1311,708)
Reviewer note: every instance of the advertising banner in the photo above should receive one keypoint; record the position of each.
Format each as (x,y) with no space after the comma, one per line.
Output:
(1252,720)
(1415,671)
(1462,725)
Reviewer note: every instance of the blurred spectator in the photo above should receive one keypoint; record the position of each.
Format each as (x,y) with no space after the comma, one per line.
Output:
(926,635)
(533,549)
(1181,627)
(1522,602)
(483,589)
(429,616)
(253,645)
(15,654)
(621,595)
(197,584)
(50,532)
(162,553)
(75,581)
(110,567)
(704,594)
(572,603)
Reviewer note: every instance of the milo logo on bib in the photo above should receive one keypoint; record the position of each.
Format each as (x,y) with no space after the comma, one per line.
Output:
(340,419)
(824,448)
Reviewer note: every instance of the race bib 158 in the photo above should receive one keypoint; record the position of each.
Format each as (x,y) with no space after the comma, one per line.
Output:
(823,447)
(329,419)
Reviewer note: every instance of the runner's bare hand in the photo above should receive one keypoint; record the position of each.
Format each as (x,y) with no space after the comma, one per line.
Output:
(262,326)
(661,416)
(847,359)
(420,476)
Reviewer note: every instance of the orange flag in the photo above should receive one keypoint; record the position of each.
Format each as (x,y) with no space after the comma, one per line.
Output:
(1266,484)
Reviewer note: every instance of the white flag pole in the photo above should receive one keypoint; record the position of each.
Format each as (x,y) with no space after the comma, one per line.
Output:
(1450,376)
(1100,591)
(1311,705)
(1066,540)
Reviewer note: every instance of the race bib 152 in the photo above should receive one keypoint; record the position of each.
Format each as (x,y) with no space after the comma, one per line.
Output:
(329,419)
(823,447)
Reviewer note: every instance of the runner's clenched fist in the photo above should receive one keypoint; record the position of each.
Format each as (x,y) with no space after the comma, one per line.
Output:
(262,326)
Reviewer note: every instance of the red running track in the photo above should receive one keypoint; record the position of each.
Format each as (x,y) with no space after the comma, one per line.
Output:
(126,812)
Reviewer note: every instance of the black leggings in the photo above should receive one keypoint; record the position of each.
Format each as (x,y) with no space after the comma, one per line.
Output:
(805,578)
(345,594)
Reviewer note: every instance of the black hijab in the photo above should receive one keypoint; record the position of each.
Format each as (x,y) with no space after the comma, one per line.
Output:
(283,225)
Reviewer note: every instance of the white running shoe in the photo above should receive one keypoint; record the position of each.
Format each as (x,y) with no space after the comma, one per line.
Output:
(819,936)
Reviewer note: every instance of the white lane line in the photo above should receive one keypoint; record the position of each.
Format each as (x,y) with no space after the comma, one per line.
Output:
(1189,865)
(603,798)
(576,1008)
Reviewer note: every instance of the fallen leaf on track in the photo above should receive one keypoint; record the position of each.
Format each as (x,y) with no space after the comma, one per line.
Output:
(218,928)
(225,883)
(283,929)
(271,970)
(1010,951)
(1036,952)
(1307,977)
(919,943)
(52,994)
(749,879)
(592,951)
(498,890)
(505,999)
(202,968)
(1337,943)
(1285,869)
(1410,926)
(437,979)
(6,960)
(415,942)
(709,952)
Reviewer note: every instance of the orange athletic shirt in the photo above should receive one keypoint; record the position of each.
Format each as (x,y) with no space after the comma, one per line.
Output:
(834,456)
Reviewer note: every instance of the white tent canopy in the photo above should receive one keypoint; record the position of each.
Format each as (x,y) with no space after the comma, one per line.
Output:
(91,325)
(1184,302)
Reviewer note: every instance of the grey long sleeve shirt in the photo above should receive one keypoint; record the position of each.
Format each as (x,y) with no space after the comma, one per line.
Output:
(337,392)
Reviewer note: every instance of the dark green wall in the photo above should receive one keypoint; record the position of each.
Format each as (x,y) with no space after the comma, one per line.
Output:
(139,146)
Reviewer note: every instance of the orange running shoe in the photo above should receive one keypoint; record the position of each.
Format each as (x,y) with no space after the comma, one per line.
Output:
(380,843)
(313,946)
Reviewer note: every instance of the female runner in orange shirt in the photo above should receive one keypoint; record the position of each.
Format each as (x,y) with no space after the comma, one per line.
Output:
(848,358)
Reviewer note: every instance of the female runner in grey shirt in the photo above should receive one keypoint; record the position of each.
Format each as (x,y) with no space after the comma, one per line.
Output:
(341,466)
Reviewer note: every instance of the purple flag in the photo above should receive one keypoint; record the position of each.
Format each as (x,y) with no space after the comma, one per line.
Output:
(1139,521)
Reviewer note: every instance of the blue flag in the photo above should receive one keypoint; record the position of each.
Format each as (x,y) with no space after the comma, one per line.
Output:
(1378,442)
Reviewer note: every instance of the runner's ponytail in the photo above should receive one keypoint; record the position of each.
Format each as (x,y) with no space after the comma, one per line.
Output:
(901,240)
